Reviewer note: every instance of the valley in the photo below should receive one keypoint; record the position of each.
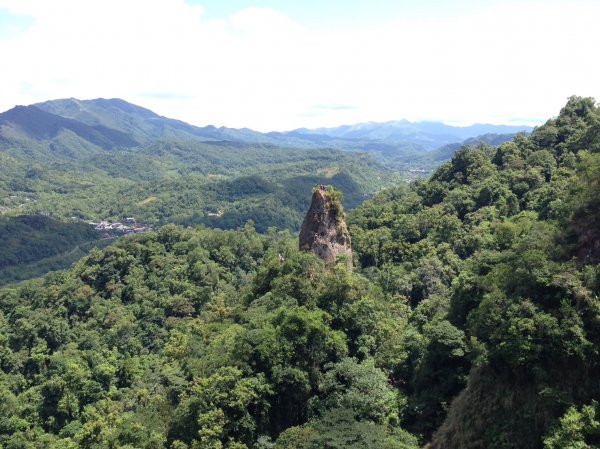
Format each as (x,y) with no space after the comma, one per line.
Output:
(108,160)
(468,316)
(261,224)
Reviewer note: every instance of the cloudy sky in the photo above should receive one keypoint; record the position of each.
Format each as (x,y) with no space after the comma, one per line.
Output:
(277,65)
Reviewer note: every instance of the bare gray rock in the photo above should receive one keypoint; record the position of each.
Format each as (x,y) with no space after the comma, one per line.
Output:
(324,230)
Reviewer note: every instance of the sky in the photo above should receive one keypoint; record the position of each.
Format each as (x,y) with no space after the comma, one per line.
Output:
(279,65)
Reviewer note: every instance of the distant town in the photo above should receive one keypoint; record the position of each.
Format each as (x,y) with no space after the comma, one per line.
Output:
(118,229)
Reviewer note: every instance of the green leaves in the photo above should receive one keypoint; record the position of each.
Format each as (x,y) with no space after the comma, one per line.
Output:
(225,407)
(472,320)
(360,387)
(340,429)
(576,429)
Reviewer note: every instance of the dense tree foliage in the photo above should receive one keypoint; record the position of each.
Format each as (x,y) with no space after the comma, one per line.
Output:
(31,246)
(497,255)
(219,184)
(197,338)
(182,182)
(471,320)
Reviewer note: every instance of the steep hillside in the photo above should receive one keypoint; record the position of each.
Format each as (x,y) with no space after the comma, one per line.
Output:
(191,338)
(40,135)
(141,123)
(496,253)
(31,246)
(471,320)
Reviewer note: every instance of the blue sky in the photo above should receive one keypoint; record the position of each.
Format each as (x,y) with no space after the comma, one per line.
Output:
(12,24)
(307,12)
(337,13)
(276,65)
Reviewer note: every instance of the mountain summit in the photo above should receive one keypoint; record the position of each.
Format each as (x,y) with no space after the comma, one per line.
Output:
(77,129)
(324,230)
(141,123)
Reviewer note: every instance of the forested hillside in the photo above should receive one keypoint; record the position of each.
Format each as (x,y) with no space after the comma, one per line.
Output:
(31,246)
(110,160)
(219,185)
(182,182)
(497,255)
(201,338)
(471,320)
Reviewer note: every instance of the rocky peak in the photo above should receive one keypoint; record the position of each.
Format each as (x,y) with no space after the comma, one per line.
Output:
(324,230)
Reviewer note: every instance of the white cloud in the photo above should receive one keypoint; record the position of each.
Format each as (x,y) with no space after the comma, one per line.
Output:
(261,69)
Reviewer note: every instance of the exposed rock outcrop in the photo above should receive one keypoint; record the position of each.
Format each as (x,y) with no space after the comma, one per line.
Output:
(324,230)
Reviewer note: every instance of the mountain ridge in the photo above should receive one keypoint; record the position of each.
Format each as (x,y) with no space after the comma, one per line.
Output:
(38,124)
(76,129)
(470,318)
(128,117)
(426,133)
(146,125)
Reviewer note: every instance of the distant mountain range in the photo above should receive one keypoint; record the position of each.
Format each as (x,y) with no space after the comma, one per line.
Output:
(72,128)
(103,159)
(430,135)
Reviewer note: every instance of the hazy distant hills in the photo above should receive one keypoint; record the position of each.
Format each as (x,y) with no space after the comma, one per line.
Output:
(429,135)
(445,152)
(115,123)
(400,129)
(71,129)
(39,124)
(75,129)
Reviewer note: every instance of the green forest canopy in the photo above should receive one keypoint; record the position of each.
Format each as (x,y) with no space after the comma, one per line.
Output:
(186,183)
(472,320)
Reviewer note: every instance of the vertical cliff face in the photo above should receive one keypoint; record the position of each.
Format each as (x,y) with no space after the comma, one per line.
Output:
(324,230)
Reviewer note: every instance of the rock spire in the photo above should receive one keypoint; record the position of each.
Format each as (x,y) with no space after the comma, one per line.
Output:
(324,230)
